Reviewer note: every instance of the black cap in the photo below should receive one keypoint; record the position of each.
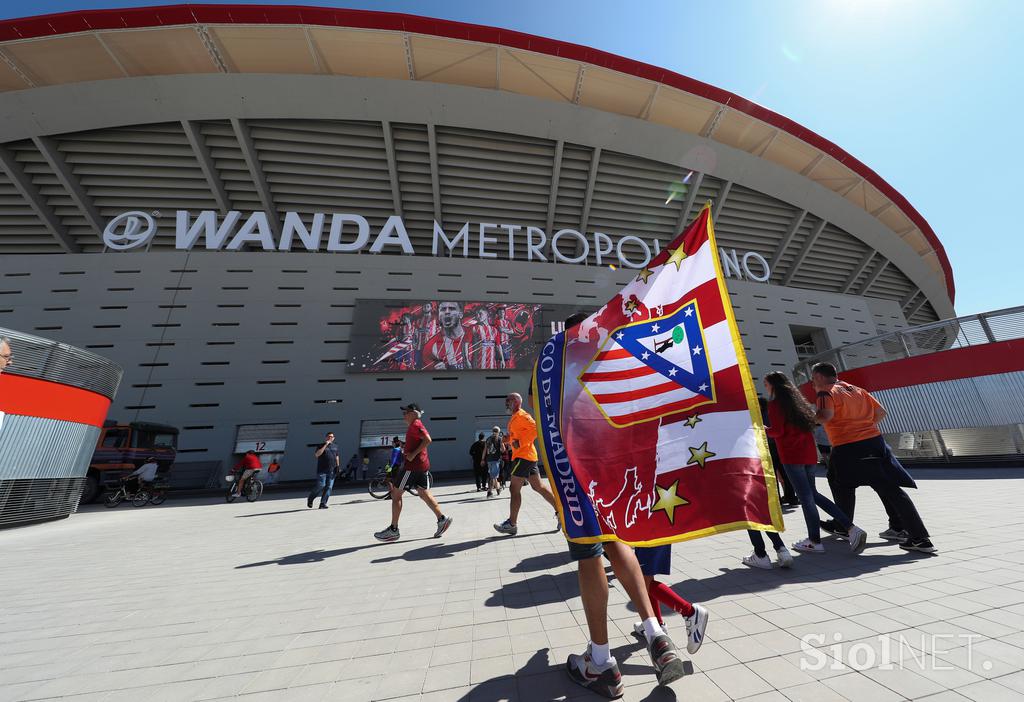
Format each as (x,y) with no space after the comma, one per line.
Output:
(412,407)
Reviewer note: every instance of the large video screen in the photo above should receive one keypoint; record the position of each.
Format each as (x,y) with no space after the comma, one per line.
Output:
(444,335)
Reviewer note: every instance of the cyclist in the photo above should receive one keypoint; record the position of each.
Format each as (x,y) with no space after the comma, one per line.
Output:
(144,475)
(245,469)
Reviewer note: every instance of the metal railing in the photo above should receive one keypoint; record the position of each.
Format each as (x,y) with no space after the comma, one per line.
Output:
(959,332)
(36,357)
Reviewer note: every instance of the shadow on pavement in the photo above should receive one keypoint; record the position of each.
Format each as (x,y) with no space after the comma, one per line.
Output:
(444,549)
(267,514)
(539,681)
(745,580)
(545,561)
(319,555)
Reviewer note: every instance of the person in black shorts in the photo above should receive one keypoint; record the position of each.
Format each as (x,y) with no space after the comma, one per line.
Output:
(415,472)
(522,430)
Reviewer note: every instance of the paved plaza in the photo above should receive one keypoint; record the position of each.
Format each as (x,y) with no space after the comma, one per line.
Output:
(201,600)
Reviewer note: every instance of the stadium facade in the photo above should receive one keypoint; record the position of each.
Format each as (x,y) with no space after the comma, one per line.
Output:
(221,198)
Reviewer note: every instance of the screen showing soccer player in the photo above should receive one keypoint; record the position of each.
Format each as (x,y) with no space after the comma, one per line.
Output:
(443,335)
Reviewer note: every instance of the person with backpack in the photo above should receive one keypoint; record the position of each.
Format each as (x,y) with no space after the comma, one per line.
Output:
(492,458)
(476,456)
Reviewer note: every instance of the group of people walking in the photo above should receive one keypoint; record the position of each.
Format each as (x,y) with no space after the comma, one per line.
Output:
(859,457)
(492,461)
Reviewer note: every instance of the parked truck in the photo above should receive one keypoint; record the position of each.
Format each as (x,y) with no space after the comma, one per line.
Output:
(122,448)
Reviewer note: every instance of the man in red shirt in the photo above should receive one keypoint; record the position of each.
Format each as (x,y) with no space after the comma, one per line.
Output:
(415,472)
(245,469)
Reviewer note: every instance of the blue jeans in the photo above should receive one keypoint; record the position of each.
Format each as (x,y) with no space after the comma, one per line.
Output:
(324,483)
(802,479)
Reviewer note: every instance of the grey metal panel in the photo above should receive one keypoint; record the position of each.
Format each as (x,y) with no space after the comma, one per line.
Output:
(36,357)
(27,501)
(32,447)
(984,401)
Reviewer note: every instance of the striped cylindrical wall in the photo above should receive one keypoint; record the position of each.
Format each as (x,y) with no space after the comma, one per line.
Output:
(53,400)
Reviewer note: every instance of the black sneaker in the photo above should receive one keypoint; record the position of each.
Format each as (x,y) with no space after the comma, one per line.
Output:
(920,545)
(667,664)
(324,507)
(833,528)
(606,681)
(309,502)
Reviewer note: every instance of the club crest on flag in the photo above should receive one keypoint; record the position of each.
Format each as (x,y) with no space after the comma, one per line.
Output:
(651,369)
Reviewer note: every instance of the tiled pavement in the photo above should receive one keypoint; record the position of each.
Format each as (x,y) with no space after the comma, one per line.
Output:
(200,600)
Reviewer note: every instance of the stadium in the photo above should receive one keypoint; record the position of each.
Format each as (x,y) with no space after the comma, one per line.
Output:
(266,214)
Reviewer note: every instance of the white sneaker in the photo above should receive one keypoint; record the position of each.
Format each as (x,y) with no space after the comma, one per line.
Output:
(756,561)
(784,557)
(808,546)
(858,539)
(696,625)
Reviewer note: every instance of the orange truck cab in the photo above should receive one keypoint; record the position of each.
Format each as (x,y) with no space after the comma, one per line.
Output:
(122,448)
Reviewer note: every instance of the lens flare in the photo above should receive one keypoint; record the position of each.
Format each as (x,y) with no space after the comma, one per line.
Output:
(678,188)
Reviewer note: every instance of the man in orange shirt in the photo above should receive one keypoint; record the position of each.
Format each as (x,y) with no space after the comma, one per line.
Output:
(860,455)
(522,430)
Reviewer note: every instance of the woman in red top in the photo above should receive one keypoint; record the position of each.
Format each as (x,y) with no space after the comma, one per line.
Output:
(791,424)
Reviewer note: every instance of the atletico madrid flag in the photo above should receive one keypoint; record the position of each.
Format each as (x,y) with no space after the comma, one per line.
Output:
(648,418)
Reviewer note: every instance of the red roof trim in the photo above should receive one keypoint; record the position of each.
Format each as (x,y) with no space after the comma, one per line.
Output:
(168,15)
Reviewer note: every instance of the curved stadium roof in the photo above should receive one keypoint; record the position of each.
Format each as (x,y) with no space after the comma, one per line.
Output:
(41,53)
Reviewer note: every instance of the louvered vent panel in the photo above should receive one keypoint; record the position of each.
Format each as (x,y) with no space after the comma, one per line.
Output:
(629,198)
(56,195)
(148,167)
(572,187)
(492,177)
(21,230)
(926,313)
(752,221)
(230,165)
(707,192)
(872,266)
(325,166)
(830,261)
(412,158)
(892,285)
(785,263)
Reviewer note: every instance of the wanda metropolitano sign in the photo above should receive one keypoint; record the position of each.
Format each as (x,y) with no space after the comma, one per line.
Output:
(351,233)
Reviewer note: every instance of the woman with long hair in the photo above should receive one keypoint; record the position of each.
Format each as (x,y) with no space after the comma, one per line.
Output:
(791,424)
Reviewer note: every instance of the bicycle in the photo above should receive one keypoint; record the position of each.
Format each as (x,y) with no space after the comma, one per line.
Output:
(138,498)
(253,488)
(380,485)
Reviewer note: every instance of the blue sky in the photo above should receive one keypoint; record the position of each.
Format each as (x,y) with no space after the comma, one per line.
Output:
(925,92)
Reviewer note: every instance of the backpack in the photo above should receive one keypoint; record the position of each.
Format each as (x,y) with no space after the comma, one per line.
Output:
(492,449)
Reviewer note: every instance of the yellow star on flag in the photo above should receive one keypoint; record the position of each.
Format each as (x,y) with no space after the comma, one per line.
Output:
(677,257)
(644,275)
(668,500)
(700,454)
(692,421)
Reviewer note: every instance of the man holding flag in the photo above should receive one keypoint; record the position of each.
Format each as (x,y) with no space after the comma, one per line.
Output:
(649,424)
